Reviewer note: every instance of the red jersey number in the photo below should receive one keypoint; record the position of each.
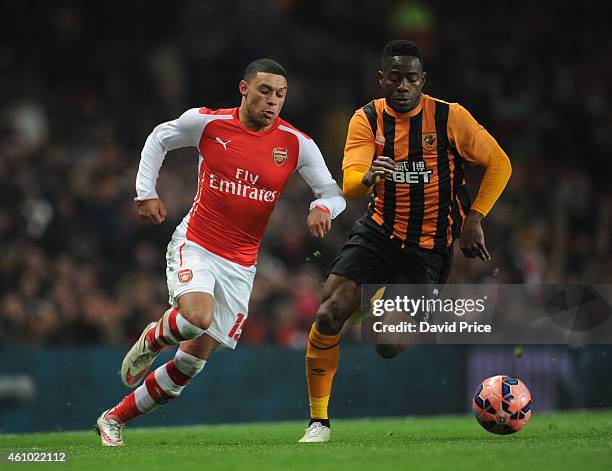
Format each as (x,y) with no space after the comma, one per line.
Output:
(237,328)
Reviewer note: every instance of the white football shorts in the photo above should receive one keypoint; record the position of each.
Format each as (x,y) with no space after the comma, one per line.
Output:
(191,268)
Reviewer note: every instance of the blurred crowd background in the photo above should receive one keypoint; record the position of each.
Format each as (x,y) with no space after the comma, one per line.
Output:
(83,83)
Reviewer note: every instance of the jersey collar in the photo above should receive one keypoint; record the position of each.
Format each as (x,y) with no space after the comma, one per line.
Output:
(408,114)
(254,133)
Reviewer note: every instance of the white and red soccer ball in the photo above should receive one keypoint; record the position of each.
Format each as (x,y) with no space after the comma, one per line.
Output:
(502,404)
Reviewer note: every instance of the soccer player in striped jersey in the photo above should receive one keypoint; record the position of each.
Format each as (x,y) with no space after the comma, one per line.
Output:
(407,150)
(246,156)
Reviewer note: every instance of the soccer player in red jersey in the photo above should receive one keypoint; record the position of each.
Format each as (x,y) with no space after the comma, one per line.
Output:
(246,156)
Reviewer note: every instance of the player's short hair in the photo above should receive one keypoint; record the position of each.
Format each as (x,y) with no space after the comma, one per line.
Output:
(264,65)
(400,47)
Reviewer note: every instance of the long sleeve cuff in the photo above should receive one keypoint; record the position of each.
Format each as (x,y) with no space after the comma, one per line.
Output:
(330,198)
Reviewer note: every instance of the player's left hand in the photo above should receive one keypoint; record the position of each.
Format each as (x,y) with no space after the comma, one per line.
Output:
(472,237)
(318,222)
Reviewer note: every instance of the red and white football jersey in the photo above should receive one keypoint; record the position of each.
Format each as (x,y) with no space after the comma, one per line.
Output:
(241,175)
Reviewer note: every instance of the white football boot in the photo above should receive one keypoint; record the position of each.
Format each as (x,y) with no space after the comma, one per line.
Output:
(138,360)
(110,431)
(316,433)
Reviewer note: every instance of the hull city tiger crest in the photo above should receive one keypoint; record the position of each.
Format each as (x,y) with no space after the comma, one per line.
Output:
(429,141)
(185,276)
(280,155)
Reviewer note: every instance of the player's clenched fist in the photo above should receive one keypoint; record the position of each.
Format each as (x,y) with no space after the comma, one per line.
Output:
(381,168)
(319,221)
(152,210)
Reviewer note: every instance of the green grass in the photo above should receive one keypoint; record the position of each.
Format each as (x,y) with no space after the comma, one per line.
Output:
(556,441)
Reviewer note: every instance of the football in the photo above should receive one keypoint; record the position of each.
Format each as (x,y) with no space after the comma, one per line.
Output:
(502,404)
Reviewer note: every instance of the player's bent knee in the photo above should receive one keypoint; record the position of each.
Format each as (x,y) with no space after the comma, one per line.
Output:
(199,316)
(203,320)
(341,297)
(331,317)
(326,323)
(197,308)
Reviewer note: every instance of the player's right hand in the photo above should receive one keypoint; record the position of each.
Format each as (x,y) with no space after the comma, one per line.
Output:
(382,167)
(152,210)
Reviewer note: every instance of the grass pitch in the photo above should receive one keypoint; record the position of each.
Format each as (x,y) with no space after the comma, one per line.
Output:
(556,441)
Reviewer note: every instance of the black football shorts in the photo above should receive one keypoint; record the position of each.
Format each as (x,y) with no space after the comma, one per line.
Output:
(371,257)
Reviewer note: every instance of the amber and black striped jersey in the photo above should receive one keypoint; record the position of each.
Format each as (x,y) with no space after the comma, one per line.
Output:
(424,201)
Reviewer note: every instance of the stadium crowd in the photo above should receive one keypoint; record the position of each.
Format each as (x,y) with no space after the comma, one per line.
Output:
(82,86)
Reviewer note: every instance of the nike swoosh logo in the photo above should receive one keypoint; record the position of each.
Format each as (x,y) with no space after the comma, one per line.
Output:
(108,439)
(131,380)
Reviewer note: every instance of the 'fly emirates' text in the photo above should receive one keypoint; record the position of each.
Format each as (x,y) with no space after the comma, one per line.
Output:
(243,188)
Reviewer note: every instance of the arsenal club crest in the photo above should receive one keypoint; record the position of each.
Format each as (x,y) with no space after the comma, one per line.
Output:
(280,155)
(429,141)
(185,276)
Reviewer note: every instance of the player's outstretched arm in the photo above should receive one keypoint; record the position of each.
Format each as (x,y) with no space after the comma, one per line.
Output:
(330,201)
(497,173)
(182,132)
(478,147)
